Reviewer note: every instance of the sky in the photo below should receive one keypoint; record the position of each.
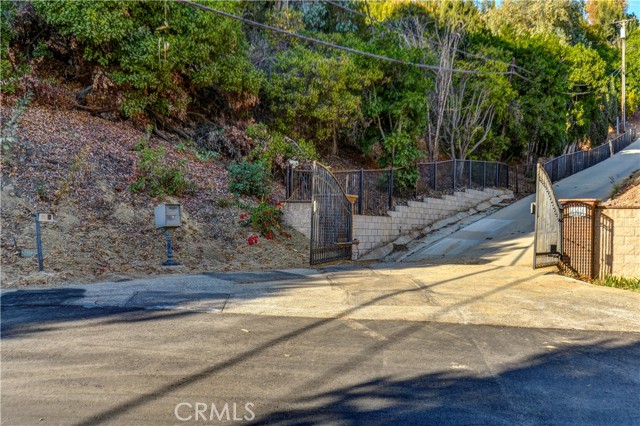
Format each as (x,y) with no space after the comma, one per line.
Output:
(633,6)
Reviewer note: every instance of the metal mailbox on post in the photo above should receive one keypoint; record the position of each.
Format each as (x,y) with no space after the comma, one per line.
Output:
(168,217)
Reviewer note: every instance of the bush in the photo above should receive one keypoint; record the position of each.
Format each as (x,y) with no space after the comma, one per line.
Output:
(266,220)
(155,177)
(274,149)
(248,179)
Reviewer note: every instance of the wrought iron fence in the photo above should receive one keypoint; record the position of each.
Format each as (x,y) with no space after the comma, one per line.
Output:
(569,164)
(381,190)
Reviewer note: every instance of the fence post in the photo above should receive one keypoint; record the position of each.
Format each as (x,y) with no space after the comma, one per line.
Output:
(484,175)
(288,182)
(497,176)
(453,180)
(469,184)
(435,176)
(517,182)
(360,191)
(391,188)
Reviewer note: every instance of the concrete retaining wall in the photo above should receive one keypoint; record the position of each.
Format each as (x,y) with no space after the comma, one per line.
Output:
(375,231)
(617,241)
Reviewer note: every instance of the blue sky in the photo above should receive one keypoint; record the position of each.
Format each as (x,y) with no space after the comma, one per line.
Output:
(633,6)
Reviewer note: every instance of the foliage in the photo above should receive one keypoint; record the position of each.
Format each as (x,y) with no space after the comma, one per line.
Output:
(164,57)
(248,179)
(159,53)
(266,220)
(627,283)
(9,130)
(316,95)
(155,177)
(274,149)
(521,18)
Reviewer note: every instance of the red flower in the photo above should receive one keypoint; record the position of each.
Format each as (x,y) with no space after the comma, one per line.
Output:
(244,216)
(252,240)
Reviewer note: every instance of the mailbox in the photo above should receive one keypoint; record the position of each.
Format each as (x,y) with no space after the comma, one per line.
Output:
(168,216)
(45,217)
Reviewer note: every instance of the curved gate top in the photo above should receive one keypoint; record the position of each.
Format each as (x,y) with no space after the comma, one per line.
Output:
(547,239)
(331,218)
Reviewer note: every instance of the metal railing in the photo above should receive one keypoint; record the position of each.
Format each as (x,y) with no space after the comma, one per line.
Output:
(569,164)
(381,190)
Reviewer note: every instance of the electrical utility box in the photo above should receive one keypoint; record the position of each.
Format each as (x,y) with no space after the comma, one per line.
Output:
(168,216)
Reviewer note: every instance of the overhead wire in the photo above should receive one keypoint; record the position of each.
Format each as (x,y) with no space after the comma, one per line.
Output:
(392,28)
(335,46)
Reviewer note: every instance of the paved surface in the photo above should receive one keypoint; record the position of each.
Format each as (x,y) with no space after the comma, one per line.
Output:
(465,294)
(74,366)
(506,237)
(490,342)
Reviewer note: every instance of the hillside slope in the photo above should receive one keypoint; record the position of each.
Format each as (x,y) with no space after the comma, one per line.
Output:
(80,167)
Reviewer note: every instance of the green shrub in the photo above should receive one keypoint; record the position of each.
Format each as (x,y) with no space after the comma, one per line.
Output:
(627,283)
(265,219)
(155,177)
(248,179)
(9,131)
(274,149)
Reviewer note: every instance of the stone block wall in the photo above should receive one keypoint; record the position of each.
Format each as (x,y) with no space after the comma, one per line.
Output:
(617,241)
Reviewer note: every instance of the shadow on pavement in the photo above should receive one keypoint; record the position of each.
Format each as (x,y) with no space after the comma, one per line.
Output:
(586,385)
(210,371)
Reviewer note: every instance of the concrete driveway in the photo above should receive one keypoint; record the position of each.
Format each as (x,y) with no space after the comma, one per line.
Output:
(506,237)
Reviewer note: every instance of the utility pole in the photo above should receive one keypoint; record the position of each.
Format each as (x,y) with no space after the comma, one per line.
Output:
(623,69)
(623,37)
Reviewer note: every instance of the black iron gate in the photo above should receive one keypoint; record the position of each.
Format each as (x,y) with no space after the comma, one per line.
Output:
(578,232)
(331,218)
(547,240)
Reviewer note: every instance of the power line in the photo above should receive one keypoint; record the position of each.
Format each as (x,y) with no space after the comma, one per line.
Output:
(335,46)
(392,28)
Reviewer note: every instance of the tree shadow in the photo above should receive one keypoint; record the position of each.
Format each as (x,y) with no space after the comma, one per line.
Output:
(589,385)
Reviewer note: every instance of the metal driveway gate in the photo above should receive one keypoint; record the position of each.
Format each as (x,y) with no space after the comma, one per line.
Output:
(547,239)
(331,218)
(578,233)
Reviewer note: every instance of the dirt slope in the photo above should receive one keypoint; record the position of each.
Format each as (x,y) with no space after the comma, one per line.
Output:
(80,166)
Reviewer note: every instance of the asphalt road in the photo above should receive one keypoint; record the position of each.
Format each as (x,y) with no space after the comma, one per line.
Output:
(506,237)
(78,366)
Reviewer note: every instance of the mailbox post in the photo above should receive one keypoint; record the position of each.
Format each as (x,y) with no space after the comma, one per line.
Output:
(41,217)
(168,217)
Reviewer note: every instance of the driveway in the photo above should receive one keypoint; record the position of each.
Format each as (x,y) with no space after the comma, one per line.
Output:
(506,237)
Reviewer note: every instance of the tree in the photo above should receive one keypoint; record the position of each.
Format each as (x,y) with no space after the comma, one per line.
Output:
(159,55)
(316,95)
(602,14)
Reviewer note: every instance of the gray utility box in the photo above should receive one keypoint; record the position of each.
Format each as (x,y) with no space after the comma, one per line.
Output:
(168,216)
